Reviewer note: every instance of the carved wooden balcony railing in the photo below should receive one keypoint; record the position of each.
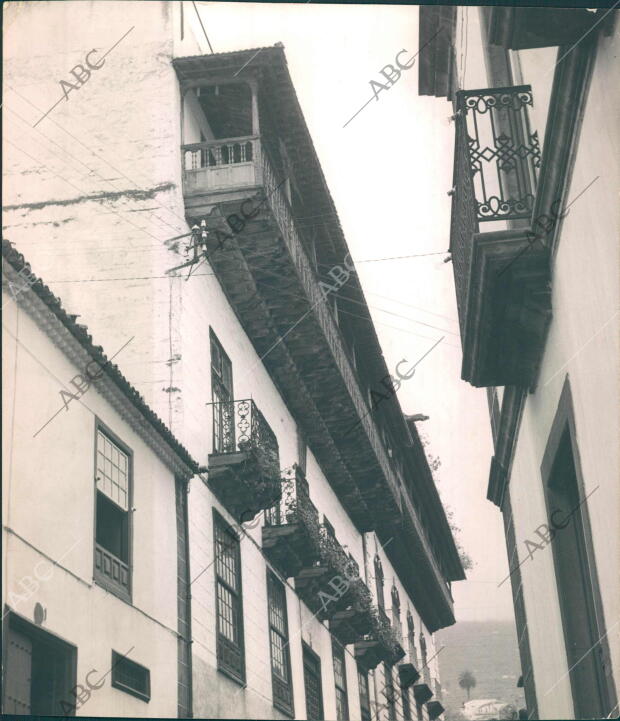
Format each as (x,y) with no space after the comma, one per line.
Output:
(381,644)
(326,578)
(501,279)
(112,572)
(222,164)
(244,468)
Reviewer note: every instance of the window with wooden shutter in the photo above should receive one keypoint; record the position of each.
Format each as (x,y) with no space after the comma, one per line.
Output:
(222,397)
(229,605)
(312,684)
(281,681)
(340,679)
(113,470)
(362,680)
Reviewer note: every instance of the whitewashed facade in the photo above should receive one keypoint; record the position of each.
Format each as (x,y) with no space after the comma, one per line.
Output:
(554,401)
(95,203)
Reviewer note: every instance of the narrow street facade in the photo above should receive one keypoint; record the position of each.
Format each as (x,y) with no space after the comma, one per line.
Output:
(278,547)
(534,247)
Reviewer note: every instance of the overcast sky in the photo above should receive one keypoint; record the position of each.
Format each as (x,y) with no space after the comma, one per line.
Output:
(389,171)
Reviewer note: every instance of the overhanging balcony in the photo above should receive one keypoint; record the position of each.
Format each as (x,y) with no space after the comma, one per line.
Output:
(244,468)
(381,645)
(422,693)
(435,709)
(251,185)
(326,578)
(502,276)
(408,674)
(266,274)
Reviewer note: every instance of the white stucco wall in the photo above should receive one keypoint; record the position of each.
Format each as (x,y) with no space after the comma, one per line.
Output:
(91,215)
(48,513)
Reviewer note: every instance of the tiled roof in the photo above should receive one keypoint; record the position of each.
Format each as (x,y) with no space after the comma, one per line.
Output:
(80,332)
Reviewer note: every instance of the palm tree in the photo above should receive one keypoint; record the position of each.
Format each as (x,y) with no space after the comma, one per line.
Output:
(467,680)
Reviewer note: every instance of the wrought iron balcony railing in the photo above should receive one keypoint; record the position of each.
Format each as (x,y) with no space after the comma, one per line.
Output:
(504,154)
(239,426)
(381,644)
(503,293)
(295,505)
(244,467)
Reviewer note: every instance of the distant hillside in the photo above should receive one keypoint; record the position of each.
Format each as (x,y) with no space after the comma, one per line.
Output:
(489,650)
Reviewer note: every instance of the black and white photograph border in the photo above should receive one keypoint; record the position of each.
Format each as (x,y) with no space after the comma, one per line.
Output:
(310,360)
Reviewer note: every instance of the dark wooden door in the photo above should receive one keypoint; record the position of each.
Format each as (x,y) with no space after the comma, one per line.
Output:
(18,673)
(579,596)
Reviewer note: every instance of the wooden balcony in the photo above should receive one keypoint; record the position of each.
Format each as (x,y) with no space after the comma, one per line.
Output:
(259,255)
(435,709)
(408,674)
(244,468)
(502,276)
(249,189)
(381,645)
(422,693)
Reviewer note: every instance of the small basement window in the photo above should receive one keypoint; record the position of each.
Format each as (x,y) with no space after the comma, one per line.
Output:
(131,677)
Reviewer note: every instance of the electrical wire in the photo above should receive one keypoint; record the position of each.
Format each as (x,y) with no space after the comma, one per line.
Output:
(203,27)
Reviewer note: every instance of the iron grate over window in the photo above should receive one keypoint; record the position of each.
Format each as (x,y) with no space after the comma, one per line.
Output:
(131,677)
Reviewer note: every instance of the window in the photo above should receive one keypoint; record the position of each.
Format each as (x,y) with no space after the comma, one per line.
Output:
(362,681)
(222,397)
(389,692)
(302,451)
(112,514)
(413,654)
(379,582)
(312,684)
(340,678)
(425,668)
(278,642)
(229,607)
(130,677)
(396,612)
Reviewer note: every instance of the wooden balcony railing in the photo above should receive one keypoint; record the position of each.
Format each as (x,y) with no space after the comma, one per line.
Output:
(112,572)
(221,164)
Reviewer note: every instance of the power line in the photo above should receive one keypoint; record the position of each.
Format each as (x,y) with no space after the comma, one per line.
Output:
(202,26)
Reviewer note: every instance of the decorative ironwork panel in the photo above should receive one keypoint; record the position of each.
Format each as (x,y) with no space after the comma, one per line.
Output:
(242,427)
(504,155)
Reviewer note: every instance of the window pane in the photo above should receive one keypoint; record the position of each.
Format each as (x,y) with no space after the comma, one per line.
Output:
(112,471)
